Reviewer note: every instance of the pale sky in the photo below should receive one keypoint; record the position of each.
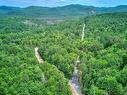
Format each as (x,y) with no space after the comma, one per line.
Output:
(54,3)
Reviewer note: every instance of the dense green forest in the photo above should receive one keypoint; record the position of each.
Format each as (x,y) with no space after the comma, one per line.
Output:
(102,54)
(20,73)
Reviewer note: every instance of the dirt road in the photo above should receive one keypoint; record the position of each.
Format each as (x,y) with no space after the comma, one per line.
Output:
(74,82)
(83,32)
(39,58)
(74,92)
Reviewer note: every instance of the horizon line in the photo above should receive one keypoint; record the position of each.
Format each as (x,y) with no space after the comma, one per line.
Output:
(61,6)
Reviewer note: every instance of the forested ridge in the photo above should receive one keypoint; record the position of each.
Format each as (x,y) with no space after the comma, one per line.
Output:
(68,11)
(102,54)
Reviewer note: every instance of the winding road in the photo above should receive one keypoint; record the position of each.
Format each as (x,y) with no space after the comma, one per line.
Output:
(74,82)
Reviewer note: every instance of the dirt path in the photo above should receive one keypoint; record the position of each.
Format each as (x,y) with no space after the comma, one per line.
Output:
(83,32)
(72,85)
(39,58)
(74,82)
(74,92)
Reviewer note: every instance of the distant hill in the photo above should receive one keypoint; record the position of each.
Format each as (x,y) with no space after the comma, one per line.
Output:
(65,11)
(121,8)
(7,9)
(70,10)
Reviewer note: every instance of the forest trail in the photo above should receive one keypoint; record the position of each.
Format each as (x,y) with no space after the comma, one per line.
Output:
(74,92)
(74,82)
(38,56)
(83,32)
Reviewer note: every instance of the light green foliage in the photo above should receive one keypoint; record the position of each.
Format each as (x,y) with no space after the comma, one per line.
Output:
(20,73)
(103,55)
(103,65)
(96,91)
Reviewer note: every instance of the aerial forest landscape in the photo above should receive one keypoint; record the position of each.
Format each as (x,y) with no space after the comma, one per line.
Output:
(63,47)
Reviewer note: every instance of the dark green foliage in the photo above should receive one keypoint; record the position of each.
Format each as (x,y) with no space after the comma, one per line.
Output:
(103,55)
(103,62)
(20,73)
